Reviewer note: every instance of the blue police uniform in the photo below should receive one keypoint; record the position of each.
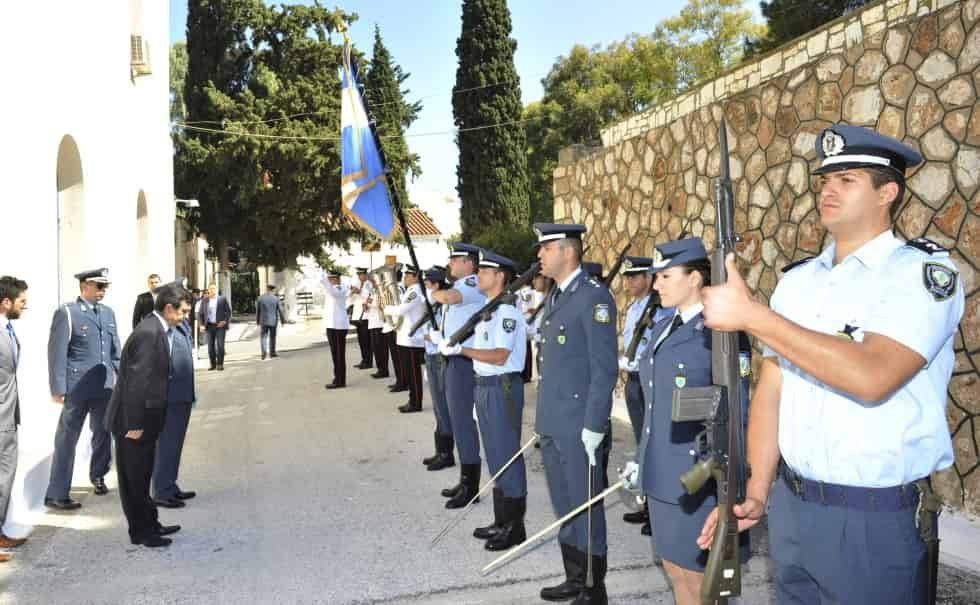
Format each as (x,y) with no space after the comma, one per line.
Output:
(500,410)
(459,384)
(842,516)
(578,370)
(435,374)
(633,391)
(679,356)
(83,358)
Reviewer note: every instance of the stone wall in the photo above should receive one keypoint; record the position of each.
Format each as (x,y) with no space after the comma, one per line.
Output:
(906,67)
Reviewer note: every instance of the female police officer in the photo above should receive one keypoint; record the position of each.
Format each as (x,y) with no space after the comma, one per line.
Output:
(679,357)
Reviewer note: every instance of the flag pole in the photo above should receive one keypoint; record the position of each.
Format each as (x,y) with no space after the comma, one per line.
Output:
(392,191)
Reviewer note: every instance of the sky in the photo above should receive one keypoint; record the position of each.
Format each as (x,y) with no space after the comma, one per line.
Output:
(421,36)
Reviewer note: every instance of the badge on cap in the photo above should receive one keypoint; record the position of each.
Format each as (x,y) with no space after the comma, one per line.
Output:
(833,143)
(601,313)
(847,333)
(509,325)
(939,280)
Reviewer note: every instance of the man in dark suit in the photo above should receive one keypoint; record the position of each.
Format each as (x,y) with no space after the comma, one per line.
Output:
(137,412)
(214,317)
(268,315)
(144,302)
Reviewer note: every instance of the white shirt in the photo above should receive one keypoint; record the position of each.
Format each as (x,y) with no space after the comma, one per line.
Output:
(505,330)
(431,349)
(411,310)
(335,306)
(356,301)
(568,280)
(880,288)
(166,330)
(373,313)
(457,315)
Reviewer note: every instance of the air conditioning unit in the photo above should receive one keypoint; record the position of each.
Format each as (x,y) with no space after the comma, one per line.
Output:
(139,56)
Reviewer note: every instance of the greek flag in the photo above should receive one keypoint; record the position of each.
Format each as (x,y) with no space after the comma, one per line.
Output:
(362,175)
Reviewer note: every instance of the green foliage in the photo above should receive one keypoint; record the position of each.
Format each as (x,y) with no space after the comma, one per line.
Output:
(392,114)
(271,71)
(513,241)
(178,73)
(790,19)
(328,264)
(592,88)
(492,173)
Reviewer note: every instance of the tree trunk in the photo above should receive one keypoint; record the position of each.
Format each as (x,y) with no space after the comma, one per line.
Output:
(286,280)
(224,277)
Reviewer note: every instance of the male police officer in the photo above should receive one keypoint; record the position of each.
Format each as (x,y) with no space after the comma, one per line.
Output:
(639,282)
(411,347)
(499,345)
(337,324)
(850,401)
(83,358)
(578,372)
(359,317)
(459,303)
(435,279)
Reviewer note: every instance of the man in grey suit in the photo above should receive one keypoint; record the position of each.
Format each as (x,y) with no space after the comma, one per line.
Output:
(13,301)
(214,317)
(268,315)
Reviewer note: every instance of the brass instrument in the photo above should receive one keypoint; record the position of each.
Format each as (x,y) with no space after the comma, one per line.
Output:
(386,288)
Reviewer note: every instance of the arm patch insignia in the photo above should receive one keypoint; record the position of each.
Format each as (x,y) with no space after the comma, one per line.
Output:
(600,313)
(509,325)
(940,280)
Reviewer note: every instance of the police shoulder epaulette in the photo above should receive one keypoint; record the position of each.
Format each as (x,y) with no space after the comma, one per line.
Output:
(797,263)
(926,245)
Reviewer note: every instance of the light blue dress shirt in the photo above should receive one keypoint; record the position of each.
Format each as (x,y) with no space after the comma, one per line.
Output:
(505,330)
(454,316)
(881,288)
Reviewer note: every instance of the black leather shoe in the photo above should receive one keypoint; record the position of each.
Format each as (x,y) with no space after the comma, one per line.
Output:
(489,531)
(395,388)
(380,375)
(430,459)
(364,366)
(646,530)
(274,355)
(169,502)
(469,482)
(334,385)
(639,516)
(211,369)
(574,577)
(99,488)
(153,541)
(512,531)
(166,530)
(408,408)
(451,492)
(66,504)
(443,460)
(221,367)
(263,356)
(181,495)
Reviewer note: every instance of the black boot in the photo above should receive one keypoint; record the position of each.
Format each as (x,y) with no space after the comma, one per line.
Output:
(485,533)
(444,458)
(640,516)
(469,480)
(513,531)
(430,459)
(574,577)
(596,595)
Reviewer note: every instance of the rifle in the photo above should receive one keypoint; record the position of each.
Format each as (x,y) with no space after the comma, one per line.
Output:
(616,267)
(645,321)
(424,319)
(507,296)
(720,406)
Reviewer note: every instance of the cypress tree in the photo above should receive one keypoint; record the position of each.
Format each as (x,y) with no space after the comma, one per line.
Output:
(491,175)
(790,19)
(383,87)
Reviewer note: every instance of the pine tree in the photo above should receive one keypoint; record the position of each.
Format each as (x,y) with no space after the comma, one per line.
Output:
(392,113)
(491,175)
(790,19)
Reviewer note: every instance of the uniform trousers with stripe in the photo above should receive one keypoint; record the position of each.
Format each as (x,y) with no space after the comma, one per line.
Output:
(338,353)
(411,362)
(500,410)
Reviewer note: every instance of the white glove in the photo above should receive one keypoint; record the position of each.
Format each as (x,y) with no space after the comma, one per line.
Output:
(630,475)
(532,331)
(633,366)
(449,350)
(591,441)
(624,364)
(537,338)
(435,336)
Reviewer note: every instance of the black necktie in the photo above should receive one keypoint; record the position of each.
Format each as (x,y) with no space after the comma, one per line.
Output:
(554,299)
(678,322)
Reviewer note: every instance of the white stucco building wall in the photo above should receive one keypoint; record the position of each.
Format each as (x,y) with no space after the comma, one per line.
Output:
(88,183)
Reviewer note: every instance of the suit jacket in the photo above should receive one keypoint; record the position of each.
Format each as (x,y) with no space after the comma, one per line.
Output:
(9,399)
(578,360)
(268,311)
(144,306)
(223,310)
(139,400)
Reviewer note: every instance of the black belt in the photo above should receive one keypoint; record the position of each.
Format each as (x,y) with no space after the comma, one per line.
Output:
(492,380)
(867,499)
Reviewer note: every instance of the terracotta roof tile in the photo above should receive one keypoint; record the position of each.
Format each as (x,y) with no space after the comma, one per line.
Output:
(419,223)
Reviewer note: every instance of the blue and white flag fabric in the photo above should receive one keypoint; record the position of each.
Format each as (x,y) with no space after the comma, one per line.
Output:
(362,176)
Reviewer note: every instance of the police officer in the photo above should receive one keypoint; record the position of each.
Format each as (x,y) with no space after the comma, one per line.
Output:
(411,347)
(83,358)
(499,344)
(459,303)
(379,346)
(359,317)
(849,407)
(390,335)
(639,284)
(679,356)
(435,279)
(578,372)
(337,324)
